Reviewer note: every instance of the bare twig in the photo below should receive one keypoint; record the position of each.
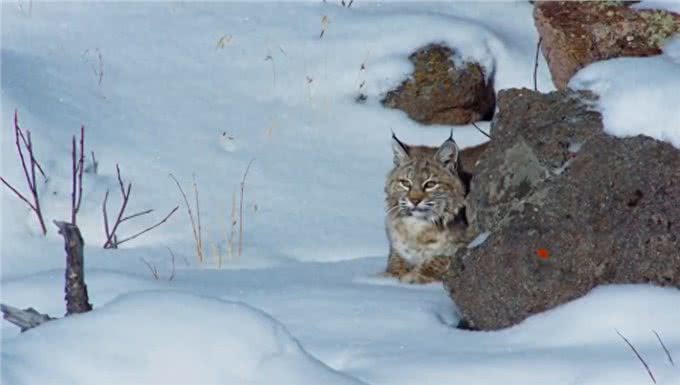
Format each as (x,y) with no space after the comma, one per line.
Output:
(112,241)
(198,213)
(195,229)
(34,204)
(234,221)
(152,268)
(95,164)
(480,130)
(665,349)
(538,47)
(139,214)
(77,174)
(240,210)
(638,356)
(172,272)
(100,73)
(325,21)
(148,228)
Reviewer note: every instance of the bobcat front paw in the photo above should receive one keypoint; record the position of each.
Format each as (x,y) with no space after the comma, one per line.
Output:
(414,277)
(410,277)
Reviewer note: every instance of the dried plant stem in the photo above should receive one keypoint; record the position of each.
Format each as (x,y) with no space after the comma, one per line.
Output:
(172,261)
(538,47)
(234,220)
(663,346)
(638,356)
(240,210)
(78,163)
(480,130)
(198,214)
(152,268)
(195,229)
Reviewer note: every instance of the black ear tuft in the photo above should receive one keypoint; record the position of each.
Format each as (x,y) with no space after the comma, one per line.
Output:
(400,150)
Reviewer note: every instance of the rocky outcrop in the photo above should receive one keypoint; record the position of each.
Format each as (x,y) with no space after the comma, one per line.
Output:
(566,207)
(439,92)
(577,33)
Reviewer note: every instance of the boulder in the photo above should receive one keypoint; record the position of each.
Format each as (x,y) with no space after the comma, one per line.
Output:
(577,33)
(564,208)
(440,92)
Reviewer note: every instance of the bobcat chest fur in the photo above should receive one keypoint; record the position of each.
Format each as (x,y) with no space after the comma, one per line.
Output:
(425,200)
(418,241)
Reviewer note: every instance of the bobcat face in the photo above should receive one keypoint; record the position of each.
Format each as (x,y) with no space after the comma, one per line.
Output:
(424,183)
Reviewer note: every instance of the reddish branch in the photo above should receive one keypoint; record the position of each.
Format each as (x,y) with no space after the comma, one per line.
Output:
(112,241)
(29,172)
(77,174)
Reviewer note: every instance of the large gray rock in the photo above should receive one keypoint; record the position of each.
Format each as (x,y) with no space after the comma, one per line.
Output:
(567,207)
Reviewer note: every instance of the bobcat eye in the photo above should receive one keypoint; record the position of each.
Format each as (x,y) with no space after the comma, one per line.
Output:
(429,185)
(405,183)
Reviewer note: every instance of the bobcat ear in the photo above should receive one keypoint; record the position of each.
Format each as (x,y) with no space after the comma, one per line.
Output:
(399,149)
(448,153)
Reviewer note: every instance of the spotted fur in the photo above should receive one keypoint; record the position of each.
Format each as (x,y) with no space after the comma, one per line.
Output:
(425,211)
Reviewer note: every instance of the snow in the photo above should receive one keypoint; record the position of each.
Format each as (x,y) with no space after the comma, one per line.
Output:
(668,5)
(202,89)
(637,95)
(179,339)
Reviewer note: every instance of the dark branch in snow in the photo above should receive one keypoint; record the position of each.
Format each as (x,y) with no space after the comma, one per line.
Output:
(638,356)
(77,300)
(112,241)
(24,319)
(663,346)
(78,165)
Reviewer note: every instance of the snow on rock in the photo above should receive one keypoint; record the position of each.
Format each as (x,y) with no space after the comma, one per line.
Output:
(164,338)
(668,5)
(637,95)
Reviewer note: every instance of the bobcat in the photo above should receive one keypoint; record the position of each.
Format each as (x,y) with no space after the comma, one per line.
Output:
(425,219)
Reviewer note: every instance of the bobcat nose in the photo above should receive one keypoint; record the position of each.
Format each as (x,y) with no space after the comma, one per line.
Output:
(416,198)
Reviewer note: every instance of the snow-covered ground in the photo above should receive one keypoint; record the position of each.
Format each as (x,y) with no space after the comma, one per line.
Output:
(202,89)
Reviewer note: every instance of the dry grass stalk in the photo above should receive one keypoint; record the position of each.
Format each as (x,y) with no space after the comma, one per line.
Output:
(240,210)
(663,346)
(649,372)
(152,268)
(234,221)
(196,229)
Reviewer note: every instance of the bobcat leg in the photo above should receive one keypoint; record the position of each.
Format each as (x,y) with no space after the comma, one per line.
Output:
(430,271)
(397,266)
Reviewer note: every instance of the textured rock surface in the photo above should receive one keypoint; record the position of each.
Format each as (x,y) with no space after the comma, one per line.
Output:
(440,93)
(568,207)
(577,33)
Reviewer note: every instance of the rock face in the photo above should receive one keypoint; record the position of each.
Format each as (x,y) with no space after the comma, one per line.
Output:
(577,33)
(568,207)
(440,93)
